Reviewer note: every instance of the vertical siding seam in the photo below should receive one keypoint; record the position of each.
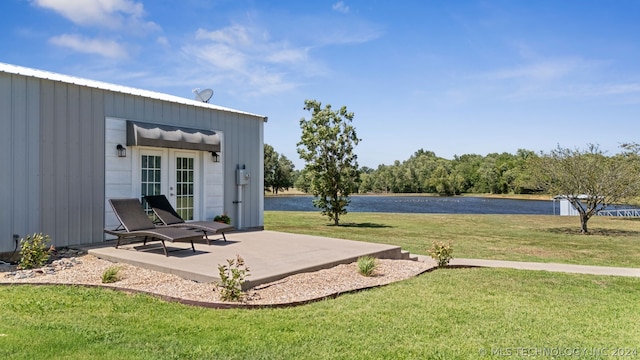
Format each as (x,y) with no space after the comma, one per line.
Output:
(12,153)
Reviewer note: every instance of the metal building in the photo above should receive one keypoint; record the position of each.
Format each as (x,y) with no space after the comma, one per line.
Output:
(68,144)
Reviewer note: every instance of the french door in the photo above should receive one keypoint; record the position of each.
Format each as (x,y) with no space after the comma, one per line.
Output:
(182,189)
(152,172)
(173,173)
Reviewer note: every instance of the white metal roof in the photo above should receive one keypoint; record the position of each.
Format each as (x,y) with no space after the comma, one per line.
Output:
(25,71)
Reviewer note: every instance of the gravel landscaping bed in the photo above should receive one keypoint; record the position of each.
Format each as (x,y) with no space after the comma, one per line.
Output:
(76,268)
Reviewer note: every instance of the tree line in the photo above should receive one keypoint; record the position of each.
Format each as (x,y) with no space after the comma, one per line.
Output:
(422,172)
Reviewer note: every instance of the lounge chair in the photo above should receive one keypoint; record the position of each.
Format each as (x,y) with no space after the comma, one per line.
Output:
(169,217)
(134,223)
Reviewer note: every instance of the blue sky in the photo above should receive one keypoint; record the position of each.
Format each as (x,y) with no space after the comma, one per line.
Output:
(452,77)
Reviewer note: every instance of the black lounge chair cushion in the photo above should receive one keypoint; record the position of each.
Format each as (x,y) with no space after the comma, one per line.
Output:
(163,209)
(169,217)
(136,223)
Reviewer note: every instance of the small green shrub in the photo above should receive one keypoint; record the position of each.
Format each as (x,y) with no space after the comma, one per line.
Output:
(224,218)
(441,252)
(34,251)
(231,279)
(367,265)
(111,275)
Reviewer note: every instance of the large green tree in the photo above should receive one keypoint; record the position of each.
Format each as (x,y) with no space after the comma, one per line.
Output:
(270,163)
(278,170)
(327,145)
(587,178)
(284,175)
(303,181)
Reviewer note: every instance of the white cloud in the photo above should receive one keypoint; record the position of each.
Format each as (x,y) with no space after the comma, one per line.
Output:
(269,83)
(162,41)
(554,78)
(619,89)
(106,48)
(340,7)
(287,56)
(546,70)
(235,34)
(220,56)
(246,55)
(354,33)
(114,14)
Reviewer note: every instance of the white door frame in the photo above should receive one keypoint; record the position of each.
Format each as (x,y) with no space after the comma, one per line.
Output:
(197,175)
(168,174)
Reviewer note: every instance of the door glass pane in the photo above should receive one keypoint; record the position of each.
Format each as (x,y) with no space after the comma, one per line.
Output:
(150,178)
(184,187)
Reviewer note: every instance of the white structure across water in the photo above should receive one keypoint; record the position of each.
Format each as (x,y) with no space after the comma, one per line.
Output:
(567,209)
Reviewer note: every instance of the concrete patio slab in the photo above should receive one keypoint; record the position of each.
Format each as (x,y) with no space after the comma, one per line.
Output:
(269,255)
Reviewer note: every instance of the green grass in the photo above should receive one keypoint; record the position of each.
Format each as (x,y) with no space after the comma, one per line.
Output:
(444,314)
(538,238)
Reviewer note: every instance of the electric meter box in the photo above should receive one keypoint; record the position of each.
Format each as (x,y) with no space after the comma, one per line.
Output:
(242,177)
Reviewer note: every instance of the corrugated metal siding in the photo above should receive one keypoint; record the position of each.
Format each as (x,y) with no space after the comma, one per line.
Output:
(72,163)
(19,154)
(52,141)
(251,195)
(6,163)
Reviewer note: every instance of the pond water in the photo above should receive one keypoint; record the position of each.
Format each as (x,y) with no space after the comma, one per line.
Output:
(421,204)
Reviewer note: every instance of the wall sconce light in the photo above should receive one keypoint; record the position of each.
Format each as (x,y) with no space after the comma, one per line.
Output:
(215,156)
(121,150)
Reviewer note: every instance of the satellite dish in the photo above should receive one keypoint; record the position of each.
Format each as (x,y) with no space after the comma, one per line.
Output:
(203,95)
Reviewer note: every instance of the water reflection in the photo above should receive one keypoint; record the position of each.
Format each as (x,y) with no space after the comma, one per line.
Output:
(421,204)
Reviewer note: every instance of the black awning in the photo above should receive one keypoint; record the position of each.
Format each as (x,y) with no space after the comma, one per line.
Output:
(146,134)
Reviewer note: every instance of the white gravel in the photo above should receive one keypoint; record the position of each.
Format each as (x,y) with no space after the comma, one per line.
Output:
(88,270)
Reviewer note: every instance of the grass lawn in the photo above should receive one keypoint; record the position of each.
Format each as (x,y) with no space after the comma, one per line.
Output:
(444,314)
(539,238)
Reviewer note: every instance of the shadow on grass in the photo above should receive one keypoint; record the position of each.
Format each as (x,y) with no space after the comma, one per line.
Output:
(596,231)
(624,218)
(364,225)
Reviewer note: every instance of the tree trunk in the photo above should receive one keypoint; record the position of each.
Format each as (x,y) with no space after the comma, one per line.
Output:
(583,223)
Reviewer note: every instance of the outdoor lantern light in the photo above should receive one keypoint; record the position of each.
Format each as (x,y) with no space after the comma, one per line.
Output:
(215,156)
(122,151)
